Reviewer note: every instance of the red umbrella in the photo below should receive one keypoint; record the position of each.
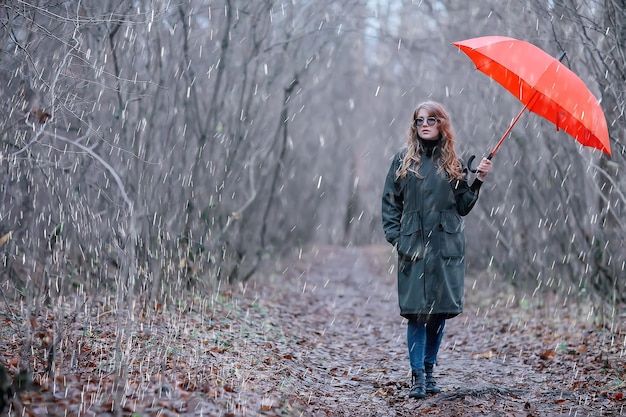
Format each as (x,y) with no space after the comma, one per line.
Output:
(543,84)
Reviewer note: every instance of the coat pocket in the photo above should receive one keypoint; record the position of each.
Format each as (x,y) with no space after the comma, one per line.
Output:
(453,236)
(411,241)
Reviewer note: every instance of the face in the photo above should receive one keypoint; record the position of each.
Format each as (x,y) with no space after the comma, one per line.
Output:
(425,131)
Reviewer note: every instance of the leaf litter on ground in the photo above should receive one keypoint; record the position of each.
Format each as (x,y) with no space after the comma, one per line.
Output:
(318,334)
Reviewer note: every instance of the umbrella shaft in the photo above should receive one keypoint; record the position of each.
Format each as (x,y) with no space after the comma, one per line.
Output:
(495,149)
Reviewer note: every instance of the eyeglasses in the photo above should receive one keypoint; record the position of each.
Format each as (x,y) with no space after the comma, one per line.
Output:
(430,121)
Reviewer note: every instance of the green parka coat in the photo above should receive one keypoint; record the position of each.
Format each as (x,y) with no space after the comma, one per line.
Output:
(422,219)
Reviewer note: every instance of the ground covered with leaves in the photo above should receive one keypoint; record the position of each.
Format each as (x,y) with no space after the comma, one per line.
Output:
(318,336)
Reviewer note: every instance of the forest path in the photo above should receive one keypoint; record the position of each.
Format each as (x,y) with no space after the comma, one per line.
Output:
(318,335)
(502,357)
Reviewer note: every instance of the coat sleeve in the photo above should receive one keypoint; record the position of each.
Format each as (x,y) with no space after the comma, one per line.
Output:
(392,204)
(465,195)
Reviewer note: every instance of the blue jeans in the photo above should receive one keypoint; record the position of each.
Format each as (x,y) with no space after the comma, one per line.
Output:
(423,340)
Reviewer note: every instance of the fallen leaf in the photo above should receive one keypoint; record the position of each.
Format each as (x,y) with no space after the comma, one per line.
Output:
(487,355)
(268,403)
(5,238)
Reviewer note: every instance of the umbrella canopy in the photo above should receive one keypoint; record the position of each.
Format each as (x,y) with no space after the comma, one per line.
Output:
(543,84)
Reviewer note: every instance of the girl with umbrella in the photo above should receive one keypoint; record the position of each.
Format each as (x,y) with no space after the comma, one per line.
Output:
(425,194)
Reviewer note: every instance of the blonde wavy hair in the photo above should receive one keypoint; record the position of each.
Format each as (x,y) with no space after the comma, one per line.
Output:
(448,161)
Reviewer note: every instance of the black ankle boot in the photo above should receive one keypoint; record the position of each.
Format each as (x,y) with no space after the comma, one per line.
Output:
(418,388)
(430,383)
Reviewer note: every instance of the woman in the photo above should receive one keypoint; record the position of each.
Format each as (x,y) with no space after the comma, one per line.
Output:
(425,195)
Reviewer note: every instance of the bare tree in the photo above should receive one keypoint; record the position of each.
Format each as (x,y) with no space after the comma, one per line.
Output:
(581,241)
(171,145)
(190,110)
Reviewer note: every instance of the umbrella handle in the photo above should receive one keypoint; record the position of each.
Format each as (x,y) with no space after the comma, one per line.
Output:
(471,159)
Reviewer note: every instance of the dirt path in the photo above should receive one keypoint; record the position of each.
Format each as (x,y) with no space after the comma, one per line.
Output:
(318,336)
(348,315)
(500,358)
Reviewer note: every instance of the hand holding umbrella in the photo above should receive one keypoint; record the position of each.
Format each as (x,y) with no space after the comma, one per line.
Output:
(543,84)
(483,168)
